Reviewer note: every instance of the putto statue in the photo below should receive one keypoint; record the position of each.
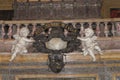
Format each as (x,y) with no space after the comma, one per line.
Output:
(89,43)
(21,43)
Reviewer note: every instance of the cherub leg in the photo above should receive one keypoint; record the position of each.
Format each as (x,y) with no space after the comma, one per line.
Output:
(13,56)
(85,52)
(98,49)
(24,51)
(92,54)
(13,48)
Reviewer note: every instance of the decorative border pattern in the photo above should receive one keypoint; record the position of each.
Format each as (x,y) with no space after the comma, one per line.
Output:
(56,76)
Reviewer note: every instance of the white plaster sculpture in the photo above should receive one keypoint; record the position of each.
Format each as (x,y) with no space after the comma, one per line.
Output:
(89,43)
(21,42)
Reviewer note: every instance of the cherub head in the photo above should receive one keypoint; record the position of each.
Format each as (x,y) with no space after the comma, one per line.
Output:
(24,32)
(89,32)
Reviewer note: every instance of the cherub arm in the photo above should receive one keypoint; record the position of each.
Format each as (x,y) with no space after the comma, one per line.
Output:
(28,40)
(82,39)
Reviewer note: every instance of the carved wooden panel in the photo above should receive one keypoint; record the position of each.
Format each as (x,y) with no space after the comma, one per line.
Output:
(58,9)
(45,10)
(32,11)
(67,10)
(22,11)
(79,9)
(94,7)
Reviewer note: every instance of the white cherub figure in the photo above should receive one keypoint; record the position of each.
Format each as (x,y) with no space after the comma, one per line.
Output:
(21,42)
(89,43)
